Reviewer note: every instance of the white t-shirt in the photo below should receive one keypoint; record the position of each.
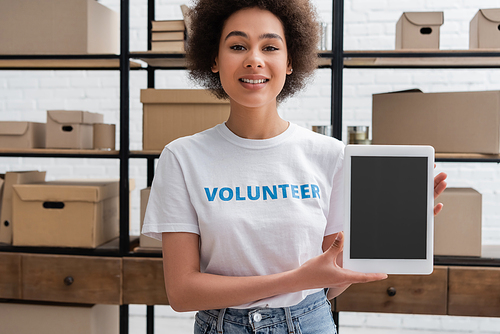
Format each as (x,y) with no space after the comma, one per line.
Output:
(260,206)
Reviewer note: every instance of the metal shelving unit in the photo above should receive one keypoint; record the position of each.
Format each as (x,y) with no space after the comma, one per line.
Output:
(336,61)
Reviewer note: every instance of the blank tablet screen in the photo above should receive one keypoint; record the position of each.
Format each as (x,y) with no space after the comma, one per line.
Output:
(388,207)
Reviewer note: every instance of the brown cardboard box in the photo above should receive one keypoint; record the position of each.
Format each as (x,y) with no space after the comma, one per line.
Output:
(58,27)
(457,228)
(462,122)
(71,128)
(10,179)
(22,134)
(484,30)
(104,136)
(172,113)
(23,318)
(69,213)
(145,241)
(418,30)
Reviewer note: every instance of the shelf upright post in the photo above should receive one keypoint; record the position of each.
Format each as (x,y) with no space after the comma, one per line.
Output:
(124,144)
(124,128)
(337,83)
(151,18)
(151,84)
(150,309)
(337,67)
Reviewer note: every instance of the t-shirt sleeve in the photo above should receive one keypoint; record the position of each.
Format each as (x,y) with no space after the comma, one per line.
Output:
(335,220)
(169,207)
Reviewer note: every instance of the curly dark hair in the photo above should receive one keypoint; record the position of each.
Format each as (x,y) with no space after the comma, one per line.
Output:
(301,28)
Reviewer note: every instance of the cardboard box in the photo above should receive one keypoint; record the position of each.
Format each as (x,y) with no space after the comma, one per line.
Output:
(457,228)
(172,113)
(419,30)
(71,128)
(10,179)
(23,318)
(22,134)
(104,136)
(145,241)
(70,213)
(58,27)
(484,30)
(462,122)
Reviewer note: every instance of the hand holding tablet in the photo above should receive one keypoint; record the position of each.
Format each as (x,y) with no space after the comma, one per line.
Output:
(389,216)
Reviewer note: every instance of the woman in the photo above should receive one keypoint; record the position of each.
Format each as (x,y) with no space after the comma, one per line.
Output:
(250,211)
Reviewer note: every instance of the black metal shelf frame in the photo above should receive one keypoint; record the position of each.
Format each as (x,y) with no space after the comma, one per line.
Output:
(338,55)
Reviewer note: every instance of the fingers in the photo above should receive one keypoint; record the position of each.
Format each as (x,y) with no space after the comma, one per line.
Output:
(439,184)
(356,277)
(338,244)
(438,208)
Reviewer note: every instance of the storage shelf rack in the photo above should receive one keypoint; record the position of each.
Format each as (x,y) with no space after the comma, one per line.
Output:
(336,60)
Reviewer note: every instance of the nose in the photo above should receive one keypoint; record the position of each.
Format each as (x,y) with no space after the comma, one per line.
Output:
(254,60)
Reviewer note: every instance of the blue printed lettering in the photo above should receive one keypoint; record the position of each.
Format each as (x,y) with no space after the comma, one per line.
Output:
(228,197)
(266,191)
(315,191)
(253,193)
(257,193)
(238,196)
(211,196)
(304,191)
(283,189)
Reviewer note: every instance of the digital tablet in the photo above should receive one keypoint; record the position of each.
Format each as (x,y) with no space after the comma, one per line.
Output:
(389,209)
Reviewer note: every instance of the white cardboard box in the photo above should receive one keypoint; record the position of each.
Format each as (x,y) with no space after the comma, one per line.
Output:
(457,228)
(485,29)
(58,27)
(23,318)
(15,134)
(419,30)
(71,129)
(66,213)
(10,179)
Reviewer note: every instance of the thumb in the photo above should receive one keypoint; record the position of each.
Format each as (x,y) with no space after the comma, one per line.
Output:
(338,244)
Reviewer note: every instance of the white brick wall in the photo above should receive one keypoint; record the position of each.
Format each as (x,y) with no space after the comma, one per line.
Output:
(369,25)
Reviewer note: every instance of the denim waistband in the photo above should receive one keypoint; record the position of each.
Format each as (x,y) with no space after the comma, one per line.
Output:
(264,317)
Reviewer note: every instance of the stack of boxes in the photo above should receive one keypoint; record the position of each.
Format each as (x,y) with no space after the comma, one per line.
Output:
(171,36)
(67,129)
(172,113)
(451,122)
(168,36)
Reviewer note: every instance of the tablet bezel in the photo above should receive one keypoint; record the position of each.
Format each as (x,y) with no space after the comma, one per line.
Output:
(390,266)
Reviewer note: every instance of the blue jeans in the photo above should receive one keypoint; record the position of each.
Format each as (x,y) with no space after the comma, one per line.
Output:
(313,315)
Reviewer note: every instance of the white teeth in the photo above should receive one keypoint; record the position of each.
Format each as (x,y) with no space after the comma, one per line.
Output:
(254,81)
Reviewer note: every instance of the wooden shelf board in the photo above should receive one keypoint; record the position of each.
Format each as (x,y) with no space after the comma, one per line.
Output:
(468,156)
(163,61)
(63,63)
(418,58)
(49,151)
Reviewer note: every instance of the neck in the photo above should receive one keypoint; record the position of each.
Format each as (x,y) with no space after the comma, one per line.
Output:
(256,123)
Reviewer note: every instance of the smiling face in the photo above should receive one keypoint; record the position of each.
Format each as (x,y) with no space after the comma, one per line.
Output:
(253,60)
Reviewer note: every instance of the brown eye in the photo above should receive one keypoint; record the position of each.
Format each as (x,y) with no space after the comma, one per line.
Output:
(237,47)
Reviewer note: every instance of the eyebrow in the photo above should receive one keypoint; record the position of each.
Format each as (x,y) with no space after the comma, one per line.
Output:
(263,36)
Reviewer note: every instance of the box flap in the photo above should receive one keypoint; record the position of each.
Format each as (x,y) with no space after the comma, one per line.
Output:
(492,14)
(425,18)
(92,117)
(68,191)
(74,117)
(13,128)
(414,90)
(179,96)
